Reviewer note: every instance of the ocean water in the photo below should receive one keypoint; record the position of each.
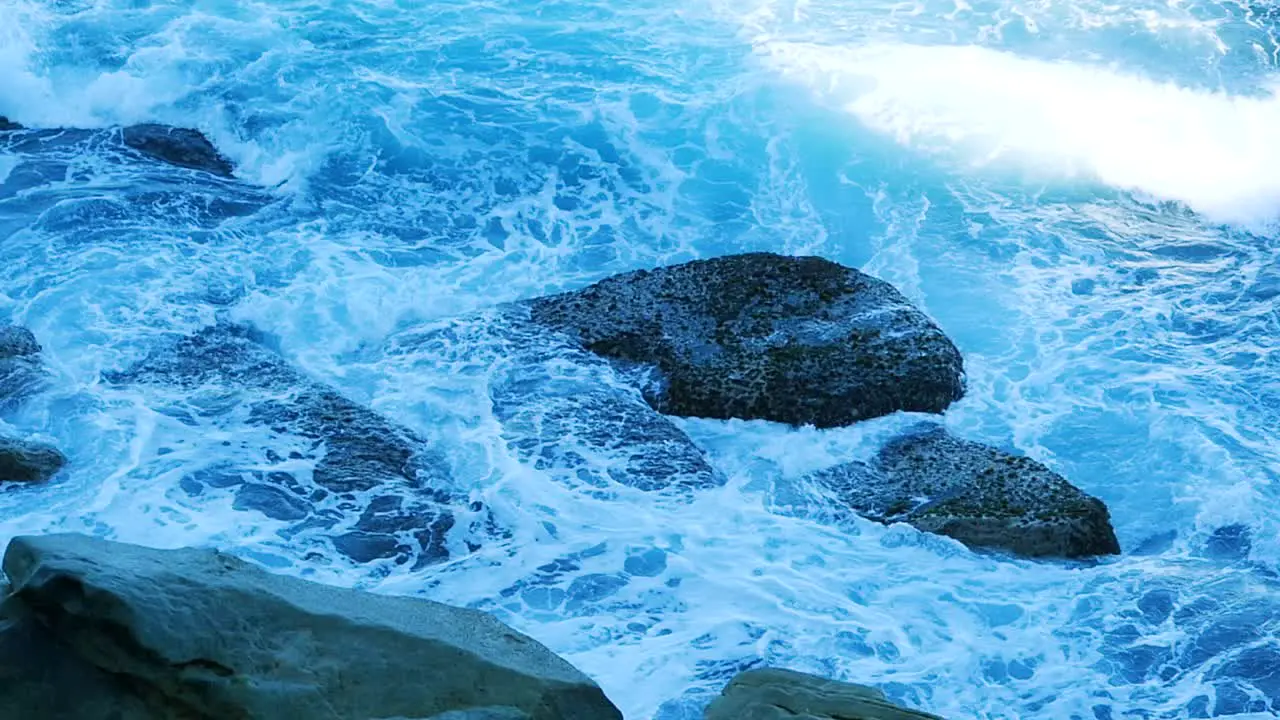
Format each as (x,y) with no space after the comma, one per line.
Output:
(1084,194)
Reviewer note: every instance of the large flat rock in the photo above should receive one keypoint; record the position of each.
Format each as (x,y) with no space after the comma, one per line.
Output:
(799,340)
(200,634)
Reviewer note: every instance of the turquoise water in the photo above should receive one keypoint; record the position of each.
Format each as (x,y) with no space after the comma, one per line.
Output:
(1084,195)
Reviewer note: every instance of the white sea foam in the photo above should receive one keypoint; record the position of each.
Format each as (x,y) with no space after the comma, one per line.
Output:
(1217,153)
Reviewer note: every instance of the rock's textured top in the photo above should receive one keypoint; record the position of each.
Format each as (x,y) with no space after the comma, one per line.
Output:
(800,340)
(27,461)
(771,694)
(199,634)
(977,494)
(178,146)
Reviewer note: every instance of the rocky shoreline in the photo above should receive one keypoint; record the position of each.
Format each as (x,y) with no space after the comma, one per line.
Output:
(764,337)
(143,634)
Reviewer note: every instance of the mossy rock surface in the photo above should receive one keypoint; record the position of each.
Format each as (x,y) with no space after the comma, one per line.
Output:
(799,340)
(982,496)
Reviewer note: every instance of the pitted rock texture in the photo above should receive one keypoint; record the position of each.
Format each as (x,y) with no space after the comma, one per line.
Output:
(975,493)
(799,340)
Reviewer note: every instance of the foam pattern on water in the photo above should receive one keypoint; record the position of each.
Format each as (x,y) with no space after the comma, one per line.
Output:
(1047,179)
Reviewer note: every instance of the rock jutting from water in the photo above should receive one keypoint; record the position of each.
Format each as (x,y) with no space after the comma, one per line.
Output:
(799,340)
(182,147)
(177,146)
(21,460)
(774,694)
(984,497)
(28,461)
(100,630)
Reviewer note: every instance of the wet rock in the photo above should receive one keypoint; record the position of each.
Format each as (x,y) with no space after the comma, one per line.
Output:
(20,372)
(981,496)
(772,694)
(367,475)
(16,341)
(181,147)
(1229,542)
(799,340)
(564,410)
(272,501)
(177,146)
(26,461)
(200,634)
(150,199)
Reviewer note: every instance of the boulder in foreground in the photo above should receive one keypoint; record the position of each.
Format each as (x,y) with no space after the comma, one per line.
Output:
(200,634)
(983,497)
(772,694)
(799,340)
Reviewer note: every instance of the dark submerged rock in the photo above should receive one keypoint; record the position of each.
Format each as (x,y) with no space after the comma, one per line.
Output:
(20,371)
(16,342)
(177,146)
(1229,542)
(26,461)
(773,694)
(371,479)
(799,340)
(563,409)
(200,634)
(181,147)
(981,496)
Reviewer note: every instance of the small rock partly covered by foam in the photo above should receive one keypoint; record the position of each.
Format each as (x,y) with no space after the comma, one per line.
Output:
(27,461)
(17,341)
(975,493)
(799,340)
(772,694)
(96,629)
(20,372)
(178,146)
(7,124)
